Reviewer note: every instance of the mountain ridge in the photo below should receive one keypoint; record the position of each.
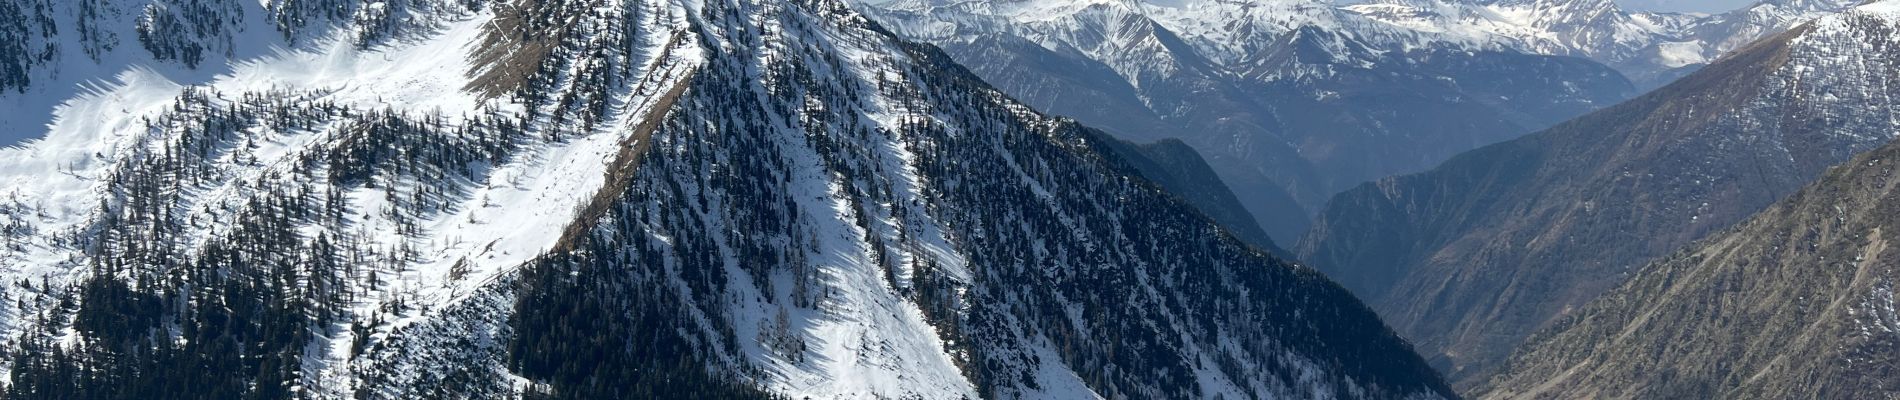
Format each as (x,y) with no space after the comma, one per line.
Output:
(1795,302)
(1469,258)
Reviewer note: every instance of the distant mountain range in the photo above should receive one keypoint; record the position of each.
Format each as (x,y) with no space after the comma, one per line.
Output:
(1650,48)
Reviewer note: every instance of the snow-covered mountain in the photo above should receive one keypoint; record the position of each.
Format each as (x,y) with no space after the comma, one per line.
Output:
(1650,48)
(1286,98)
(604,199)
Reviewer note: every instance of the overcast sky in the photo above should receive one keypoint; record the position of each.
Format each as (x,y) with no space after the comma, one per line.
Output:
(1707,6)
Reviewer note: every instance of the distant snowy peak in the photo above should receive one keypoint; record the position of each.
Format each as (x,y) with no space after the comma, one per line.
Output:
(1640,43)
(1225,32)
(1651,48)
(1594,28)
(1729,31)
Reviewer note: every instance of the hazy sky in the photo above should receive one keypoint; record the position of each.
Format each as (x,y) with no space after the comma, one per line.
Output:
(1707,6)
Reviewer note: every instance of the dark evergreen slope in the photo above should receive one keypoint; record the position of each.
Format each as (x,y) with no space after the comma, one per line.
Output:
(634,199)
(1796,302)
(1468,259)
(1181,170)
(1040,229)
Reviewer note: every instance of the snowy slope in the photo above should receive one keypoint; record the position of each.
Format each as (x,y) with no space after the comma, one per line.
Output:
(685,198)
